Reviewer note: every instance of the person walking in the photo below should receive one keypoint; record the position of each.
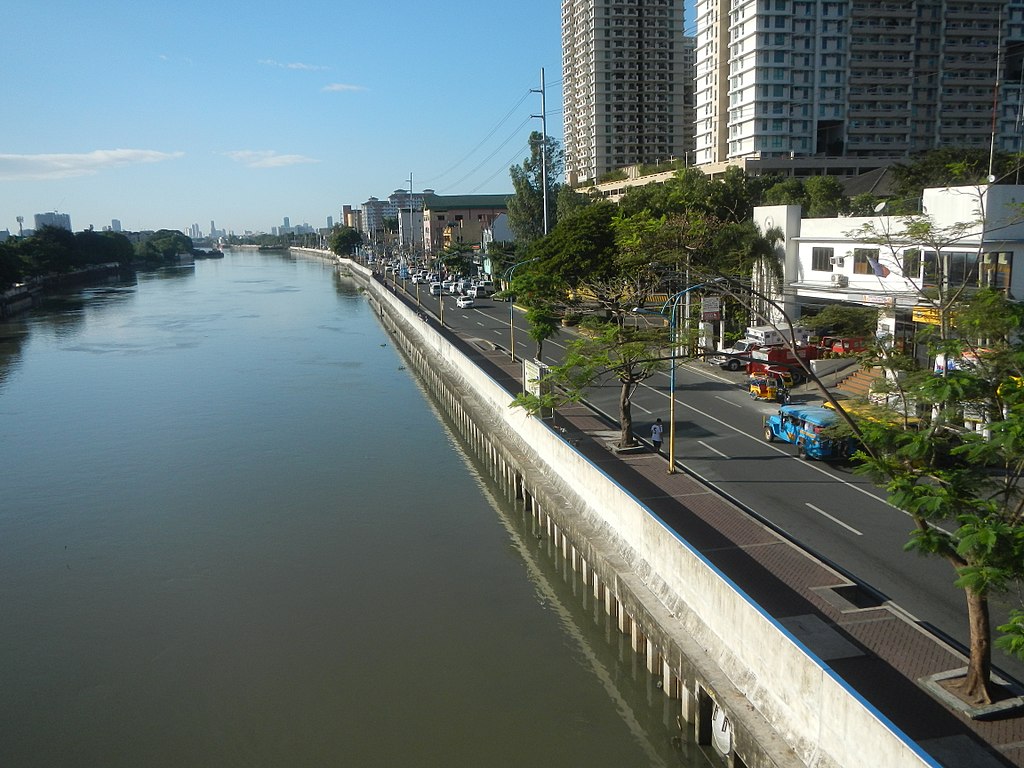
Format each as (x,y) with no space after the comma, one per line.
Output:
(657,430)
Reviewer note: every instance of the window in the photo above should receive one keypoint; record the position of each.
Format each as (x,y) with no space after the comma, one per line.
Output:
(821,259)
(912,263)
(861,260)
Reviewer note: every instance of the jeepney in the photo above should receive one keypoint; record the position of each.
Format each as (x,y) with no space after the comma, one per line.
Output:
(808,428)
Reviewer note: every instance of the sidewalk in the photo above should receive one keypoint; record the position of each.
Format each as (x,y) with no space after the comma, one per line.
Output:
(878,651)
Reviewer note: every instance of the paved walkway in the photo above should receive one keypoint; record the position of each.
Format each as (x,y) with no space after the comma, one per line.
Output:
(879,651)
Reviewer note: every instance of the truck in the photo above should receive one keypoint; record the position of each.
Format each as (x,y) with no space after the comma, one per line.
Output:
(757,336)
(782,359)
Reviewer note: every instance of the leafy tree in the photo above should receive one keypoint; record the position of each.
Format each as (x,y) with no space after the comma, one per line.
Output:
(457,259)
(788,191)
(103,248)
(343,240)
(962,489)
(628,355)
(825,197)
(568,201)
(950,166)
(164,246)
(12,267)
(526,206)
(50,249)
(543,324)
(844,320)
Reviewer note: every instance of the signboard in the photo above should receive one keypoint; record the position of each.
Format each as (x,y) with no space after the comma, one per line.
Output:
(533,373)
(929,315)
(710,309)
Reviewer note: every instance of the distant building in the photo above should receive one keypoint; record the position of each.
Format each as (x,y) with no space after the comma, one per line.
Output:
(454,219)
(4,234)
(53,219)
(330,222)
(115,225)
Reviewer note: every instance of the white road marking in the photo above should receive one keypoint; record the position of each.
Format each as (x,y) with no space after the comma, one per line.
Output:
(833,519)
(713,449)
(730,402)
(637,405)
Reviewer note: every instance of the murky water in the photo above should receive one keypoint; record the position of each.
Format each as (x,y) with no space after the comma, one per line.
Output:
(233,531)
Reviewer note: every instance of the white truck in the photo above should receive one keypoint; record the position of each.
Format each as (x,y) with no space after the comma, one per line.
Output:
(735,357)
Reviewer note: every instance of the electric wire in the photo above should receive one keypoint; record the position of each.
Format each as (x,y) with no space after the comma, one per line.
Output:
(508,164)
(497,149)
(437,177)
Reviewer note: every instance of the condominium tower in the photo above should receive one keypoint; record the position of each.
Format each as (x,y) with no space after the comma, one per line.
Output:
(790,79)
(627,85)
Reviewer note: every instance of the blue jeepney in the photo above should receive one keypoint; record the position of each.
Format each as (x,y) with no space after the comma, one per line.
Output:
(803,426)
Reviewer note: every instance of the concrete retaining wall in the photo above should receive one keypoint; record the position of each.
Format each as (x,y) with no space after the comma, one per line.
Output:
(711,642)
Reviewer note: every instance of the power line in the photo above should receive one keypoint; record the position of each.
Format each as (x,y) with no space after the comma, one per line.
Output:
(494,130)
(508,164)
(496,150)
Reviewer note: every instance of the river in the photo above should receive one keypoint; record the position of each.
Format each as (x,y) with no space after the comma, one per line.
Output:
(234,532)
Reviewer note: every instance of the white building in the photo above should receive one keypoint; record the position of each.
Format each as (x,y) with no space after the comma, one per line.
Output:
(977,232)
(627,85)
(53,219)
(788,80)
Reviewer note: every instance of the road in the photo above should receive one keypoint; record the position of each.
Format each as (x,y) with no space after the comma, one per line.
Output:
(831,512)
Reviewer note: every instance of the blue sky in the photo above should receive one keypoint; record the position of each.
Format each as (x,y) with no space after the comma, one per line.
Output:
(165,114)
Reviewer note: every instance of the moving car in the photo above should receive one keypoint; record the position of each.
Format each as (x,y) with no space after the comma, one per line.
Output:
(464,302)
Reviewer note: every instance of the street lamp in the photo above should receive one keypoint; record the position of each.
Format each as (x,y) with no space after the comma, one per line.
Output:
(507,277)
(672,305)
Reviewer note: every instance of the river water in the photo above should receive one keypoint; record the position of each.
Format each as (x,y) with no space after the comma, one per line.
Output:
(234,532)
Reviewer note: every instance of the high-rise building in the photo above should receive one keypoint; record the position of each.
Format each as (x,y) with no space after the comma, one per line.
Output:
(820,79)
(53,219)
(115,225)
(627,77)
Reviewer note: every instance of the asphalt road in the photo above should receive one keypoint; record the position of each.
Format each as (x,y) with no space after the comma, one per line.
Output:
(831,512)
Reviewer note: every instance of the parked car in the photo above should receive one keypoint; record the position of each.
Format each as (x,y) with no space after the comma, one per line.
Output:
(463,302)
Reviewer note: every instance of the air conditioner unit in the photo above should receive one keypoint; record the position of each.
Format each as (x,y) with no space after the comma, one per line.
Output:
(836,261)
(840,281)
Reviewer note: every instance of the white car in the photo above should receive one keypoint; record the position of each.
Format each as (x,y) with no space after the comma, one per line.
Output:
(463,302)
(435,289)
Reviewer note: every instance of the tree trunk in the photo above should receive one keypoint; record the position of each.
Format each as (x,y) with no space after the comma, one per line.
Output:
(977,685)
(626,439)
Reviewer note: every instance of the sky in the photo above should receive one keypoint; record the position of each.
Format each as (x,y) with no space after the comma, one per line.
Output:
(167,114)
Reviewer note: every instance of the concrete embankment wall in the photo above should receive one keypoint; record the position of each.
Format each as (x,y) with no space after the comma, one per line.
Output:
(714,647)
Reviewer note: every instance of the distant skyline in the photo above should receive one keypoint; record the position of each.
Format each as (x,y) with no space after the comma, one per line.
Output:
(164,115)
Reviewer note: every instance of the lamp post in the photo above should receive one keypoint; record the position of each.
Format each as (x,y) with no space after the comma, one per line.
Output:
(672,304)
(511,306)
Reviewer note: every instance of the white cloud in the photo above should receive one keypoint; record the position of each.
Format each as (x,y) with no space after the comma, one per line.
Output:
(267,158)
(336,87)
(63,166)
(293,65)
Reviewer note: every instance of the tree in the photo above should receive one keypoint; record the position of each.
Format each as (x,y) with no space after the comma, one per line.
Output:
(942,475)
(543,324)
(526,206)
(343,240)
(628,355)
(164,245)
(825,197)
(963,489)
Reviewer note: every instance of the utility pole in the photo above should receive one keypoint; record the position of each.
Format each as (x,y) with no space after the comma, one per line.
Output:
(543,145)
